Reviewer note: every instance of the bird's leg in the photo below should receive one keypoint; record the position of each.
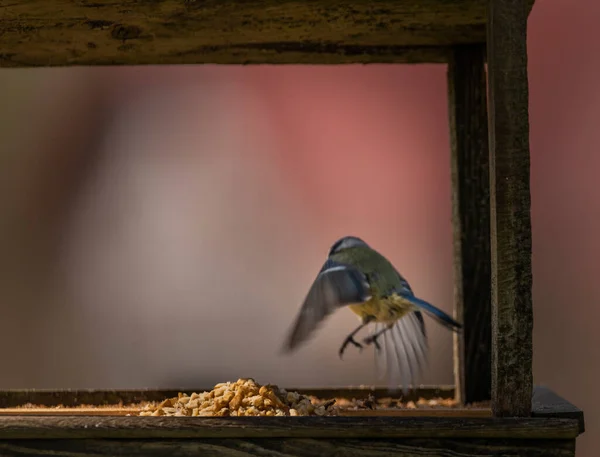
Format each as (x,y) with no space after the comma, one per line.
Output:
(372,339)
(350,338)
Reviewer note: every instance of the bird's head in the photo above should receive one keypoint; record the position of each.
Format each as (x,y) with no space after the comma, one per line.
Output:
(346,243)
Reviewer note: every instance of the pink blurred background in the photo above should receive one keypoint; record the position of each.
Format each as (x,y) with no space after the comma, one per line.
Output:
(160,226)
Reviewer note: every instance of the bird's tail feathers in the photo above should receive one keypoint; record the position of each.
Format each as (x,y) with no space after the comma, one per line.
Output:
(439,315)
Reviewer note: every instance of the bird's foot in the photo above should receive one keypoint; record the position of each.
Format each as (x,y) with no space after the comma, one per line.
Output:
(349,340)
(372,339)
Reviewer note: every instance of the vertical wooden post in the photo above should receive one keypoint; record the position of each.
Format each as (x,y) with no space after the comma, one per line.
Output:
(467,97)
(512,311)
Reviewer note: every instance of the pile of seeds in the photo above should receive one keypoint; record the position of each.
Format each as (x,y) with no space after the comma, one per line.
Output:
(245,397)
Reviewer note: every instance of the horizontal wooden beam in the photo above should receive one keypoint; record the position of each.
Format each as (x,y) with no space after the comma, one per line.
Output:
(290,447)
(75,398)
(106,427)
(545,404)
(132,411)
(130,32)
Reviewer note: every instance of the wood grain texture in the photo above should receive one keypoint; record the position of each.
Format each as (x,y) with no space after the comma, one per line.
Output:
(58,427)
(66,397)
(512,309)
(89,436)
(546,403)
(289,448)
(467,101)
(131,32)
(116,411)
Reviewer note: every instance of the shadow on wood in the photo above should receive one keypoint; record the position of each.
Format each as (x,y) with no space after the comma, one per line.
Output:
(467,103)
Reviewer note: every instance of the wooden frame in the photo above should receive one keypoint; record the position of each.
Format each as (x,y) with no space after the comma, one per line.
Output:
(467,102)
(491,198)
(550,432)
(129,32)
(510,202)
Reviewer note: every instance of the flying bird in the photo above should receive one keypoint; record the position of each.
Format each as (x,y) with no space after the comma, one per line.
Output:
(357,277)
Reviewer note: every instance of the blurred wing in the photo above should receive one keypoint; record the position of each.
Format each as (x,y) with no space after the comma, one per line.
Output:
(403,354)
(336,285)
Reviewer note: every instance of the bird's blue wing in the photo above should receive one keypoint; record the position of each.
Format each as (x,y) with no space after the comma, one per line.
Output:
(336,285)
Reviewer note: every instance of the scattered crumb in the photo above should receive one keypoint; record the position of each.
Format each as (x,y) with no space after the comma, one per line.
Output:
(391,403)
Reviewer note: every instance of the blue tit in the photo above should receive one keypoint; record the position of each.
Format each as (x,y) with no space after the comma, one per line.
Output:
(360,278)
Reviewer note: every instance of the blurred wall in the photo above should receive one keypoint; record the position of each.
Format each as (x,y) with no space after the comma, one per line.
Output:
(206,207)
(161,226)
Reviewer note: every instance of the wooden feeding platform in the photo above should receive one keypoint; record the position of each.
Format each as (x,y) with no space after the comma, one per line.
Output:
(109,423)
(483,43)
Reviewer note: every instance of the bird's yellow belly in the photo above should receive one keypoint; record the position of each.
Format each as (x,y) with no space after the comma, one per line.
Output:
(386,311)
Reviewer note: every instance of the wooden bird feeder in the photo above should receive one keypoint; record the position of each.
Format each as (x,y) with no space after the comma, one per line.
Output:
(489,122)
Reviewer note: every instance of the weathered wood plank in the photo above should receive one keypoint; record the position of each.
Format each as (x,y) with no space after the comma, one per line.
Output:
(289,448)
(546,403)
(130,32)
(234,54)
(425,412)
(66,397)
(96,427)
(70,398)
(116,411)
(467,101)
(512,308)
